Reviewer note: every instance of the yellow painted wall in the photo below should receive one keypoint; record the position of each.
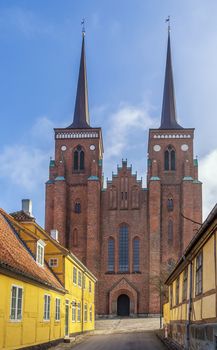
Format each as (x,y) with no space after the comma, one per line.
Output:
(204,307)
(32,329)
(196,310)
(208,265)
(166,313)
(80,295)
(209,306)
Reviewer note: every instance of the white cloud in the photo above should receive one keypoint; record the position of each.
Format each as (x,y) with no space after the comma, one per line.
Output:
(26,164)
(208,175)
(42,129)
(126,119)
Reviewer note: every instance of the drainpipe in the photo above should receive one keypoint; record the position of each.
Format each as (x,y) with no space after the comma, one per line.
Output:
(82,303)
(189,309)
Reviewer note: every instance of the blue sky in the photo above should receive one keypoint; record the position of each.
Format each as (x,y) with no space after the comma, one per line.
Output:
(126,52)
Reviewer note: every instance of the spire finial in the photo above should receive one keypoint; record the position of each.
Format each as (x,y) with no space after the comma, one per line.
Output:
(83,27)
(167,20)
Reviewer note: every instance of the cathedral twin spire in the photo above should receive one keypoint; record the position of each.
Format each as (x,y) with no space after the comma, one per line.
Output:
(168,114)
(81,112)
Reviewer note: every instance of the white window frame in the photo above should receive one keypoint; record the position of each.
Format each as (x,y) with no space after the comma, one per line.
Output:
(85,312)
(57,309)
(79,312)
(91,313)
(73,311)
(84,282)
(40,252)
(51,262)
(74,275)
(16,319)
(79,279)
(47,307)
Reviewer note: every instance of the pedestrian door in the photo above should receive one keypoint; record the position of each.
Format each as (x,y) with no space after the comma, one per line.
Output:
(67,318)
(123,305)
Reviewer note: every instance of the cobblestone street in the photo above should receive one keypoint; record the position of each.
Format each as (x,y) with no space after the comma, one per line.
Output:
(126,325)
(138,333)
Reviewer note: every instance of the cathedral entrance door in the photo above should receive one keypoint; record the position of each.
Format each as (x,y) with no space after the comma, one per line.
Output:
(123,305)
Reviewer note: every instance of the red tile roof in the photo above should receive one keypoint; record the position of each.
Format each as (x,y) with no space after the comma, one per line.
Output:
(14,256)
(22,216)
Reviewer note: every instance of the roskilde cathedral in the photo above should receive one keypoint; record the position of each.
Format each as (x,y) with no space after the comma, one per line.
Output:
(124,233)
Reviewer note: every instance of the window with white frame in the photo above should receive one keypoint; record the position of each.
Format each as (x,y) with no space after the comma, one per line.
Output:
(53,262)
(74,311)
(90,313)
(84,282)
(79,313)
(90,287)
(199,274)
(57,310)
(16,303)
(74,275)
(46,307)
(85,312)
(40,252)
(79,278)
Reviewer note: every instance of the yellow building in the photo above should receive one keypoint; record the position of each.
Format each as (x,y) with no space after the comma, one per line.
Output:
(46,292)
(191,314)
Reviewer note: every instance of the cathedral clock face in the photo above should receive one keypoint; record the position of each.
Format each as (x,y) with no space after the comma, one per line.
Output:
(157,148)
(184,147)
(92,147)
(63,148)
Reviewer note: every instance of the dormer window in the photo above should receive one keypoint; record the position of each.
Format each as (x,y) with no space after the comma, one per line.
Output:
(40,252)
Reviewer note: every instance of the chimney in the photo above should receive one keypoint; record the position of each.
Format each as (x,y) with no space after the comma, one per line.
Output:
(54,234)
(27,206)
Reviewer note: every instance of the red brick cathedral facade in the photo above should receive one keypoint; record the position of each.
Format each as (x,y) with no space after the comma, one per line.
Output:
(124,233)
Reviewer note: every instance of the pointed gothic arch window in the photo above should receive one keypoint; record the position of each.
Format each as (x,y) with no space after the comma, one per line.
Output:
(77,207)
(170,204)
(75,237)
(113,198)
(79,157)
(111,254)
(170,232)
(170,158)
(123,248)
(136,254)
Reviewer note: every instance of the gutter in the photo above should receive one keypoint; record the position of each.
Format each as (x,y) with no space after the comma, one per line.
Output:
(189,307)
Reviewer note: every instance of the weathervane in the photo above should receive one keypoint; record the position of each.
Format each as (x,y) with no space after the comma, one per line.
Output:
(168,21)
(83,26)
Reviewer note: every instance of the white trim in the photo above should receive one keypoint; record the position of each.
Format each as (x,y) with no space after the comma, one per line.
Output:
(40,259)
(79,274)
(74,308)
(74,269)
(46,310)
(57,320)
(16,306)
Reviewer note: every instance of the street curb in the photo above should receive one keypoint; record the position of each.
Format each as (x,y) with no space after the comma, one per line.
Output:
(168,343)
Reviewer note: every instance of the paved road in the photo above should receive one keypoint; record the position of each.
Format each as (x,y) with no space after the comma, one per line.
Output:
(130,341)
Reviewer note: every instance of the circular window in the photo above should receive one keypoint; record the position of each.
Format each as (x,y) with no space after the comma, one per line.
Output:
(157,148)
(184,147)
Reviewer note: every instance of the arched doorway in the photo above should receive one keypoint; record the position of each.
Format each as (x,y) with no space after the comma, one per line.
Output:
(123,305)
